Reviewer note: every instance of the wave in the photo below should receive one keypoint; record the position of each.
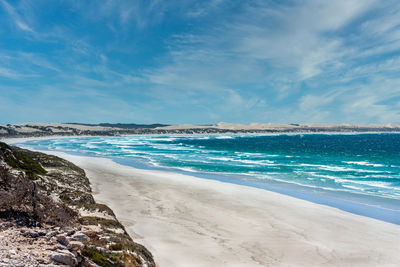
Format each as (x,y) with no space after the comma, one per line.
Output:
(364,163)
(90,145)
(323,176)
(255,155)
(164,139)
(247,161)
(337,168)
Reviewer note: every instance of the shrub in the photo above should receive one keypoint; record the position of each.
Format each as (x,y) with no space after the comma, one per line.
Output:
(115,246)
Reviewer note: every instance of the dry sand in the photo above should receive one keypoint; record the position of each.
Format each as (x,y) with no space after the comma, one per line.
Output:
(188,221)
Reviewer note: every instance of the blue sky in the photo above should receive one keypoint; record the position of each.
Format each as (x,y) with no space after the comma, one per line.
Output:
(200,61)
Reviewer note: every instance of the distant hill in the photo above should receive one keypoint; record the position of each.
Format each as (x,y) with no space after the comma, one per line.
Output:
(123,125)
(118,129)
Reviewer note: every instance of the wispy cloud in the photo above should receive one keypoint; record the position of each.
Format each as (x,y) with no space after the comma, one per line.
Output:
(9,73)
(15,17)
(204,8)
(273,48)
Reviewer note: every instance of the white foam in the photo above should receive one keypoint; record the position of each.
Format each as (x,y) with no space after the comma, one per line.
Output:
(323,176)
(224,137)
(256,162)
(368,183)
(185,169)
(351,187)
(221,158)
(164,139)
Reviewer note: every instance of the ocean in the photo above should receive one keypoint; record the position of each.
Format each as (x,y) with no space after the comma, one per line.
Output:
(359,173)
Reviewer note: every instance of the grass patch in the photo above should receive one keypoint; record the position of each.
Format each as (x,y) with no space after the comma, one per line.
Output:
(115,256)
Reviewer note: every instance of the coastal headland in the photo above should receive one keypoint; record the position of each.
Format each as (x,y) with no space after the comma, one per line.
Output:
(48,216)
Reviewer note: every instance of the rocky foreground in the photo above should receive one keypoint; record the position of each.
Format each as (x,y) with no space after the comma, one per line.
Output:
(107,129)
(48,216)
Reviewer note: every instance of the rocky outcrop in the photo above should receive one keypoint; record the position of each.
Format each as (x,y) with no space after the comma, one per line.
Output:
(48,216)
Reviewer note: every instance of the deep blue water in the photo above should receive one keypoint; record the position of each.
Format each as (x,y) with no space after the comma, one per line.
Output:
(360,170)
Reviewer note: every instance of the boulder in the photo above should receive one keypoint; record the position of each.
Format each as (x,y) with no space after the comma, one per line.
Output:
(64,257)
(50,234)
(80,237)
(31,233)
(70,231)
(75,245)
(62,239)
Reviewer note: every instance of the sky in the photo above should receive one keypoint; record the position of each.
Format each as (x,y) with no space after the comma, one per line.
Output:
(200,62)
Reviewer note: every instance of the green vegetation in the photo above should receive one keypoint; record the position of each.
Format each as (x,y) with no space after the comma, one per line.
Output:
(96,257)
(115,256)
(17,159)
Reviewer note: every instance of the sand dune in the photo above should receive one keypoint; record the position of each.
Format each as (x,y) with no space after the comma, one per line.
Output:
(281,127)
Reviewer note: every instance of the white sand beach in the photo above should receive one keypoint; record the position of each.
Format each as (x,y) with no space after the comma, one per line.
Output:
(189,221)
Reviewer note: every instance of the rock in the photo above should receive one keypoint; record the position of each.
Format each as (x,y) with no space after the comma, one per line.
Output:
(70,231)
(64,257)
(7,224)
(78,257)
(75,245)
(50,234)
(62,239)
(80,237)
(31,233)
(41,233)
(89,263)
(58,247)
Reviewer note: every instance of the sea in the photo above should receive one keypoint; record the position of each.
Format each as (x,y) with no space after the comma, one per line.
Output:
(358,173)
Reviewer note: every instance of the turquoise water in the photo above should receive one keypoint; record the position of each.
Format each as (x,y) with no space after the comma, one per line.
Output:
(361,167)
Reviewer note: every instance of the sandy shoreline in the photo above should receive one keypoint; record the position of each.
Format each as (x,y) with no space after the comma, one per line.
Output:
(188,221)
